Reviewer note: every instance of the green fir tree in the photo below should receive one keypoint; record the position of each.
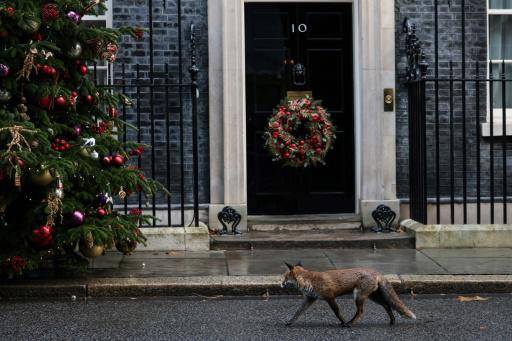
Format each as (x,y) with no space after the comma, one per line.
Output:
(61,164)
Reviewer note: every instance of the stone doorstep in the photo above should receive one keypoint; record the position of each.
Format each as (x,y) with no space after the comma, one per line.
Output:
(459,236)
(189,238)
(305,226)
(239,286)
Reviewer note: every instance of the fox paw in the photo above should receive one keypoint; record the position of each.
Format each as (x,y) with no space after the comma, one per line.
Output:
(345,325)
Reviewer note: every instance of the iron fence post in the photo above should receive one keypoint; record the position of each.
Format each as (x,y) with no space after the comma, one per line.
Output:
(194,93)
(416,87)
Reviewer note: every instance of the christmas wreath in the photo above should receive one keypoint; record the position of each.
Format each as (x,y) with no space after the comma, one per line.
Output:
(299,133)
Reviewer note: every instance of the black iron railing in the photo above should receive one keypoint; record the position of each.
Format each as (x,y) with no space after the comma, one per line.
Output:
(459,152)
(165,113)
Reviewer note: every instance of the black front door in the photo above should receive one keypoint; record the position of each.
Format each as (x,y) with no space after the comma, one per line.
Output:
(279,36)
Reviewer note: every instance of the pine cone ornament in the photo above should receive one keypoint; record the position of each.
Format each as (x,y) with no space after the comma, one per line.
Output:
(96,45)
(50,12)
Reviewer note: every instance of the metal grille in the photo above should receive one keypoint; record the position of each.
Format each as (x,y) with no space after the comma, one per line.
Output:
(459,155)
(165,113)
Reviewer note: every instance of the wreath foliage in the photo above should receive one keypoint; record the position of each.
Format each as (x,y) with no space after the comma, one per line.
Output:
(300,133)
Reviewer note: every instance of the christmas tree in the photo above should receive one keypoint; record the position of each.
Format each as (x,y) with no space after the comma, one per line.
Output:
(61,165)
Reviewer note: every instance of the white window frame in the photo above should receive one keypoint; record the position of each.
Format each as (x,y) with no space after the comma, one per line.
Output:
(107,18)
(497,112)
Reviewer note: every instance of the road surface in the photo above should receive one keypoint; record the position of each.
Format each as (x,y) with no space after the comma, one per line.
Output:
(257,318)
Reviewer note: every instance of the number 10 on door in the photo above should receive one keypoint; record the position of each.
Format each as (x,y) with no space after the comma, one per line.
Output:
(300,28)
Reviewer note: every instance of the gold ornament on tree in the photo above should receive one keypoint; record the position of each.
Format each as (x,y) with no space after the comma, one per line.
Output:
(89,249)
(54,205)
(122,193)
(42,178)
(17,138)
(17,141)
(28,64)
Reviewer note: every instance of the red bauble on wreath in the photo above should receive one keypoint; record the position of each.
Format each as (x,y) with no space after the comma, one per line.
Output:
(283,139)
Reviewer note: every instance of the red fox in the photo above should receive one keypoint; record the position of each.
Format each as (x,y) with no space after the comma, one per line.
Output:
(362,282)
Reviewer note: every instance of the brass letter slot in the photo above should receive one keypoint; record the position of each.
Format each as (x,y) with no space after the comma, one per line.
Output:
(389,100)
(291,95)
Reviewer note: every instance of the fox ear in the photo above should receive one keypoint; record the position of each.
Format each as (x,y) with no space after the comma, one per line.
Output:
(299,263)
(289,266)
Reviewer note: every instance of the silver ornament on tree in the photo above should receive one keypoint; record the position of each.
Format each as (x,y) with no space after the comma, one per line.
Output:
(5,96)
(94,154)
(59,191)
(75,51)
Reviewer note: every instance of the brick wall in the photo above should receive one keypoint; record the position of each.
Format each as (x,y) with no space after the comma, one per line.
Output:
(422,14)
(167,100)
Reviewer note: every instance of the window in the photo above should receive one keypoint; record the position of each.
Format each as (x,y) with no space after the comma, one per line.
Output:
(104,72)
(499,50)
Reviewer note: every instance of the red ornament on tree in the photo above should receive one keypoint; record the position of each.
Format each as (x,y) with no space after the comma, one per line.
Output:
(89,99)
(101,212)
(60,145)
(72,97)
(21,163)
(82,69)
(44,102)
(48,70)
(112,112)
(107,160)
(50,12)
(42,237)
(37,36)
(137,151)
(60,101)
(100,128)
(118,160)
(9,11)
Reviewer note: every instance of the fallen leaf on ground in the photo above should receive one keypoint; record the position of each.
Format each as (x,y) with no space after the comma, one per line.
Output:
(471,298)
(483,327)
(209,297)
(413,295)
(266,296)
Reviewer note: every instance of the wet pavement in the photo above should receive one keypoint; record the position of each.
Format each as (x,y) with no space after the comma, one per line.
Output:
(271,262)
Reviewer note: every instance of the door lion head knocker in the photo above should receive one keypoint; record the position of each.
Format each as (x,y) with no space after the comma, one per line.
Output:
(299,74)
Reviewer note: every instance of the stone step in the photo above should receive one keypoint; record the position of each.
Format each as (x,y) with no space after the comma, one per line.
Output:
(346,239)
(305,227)
(304,222)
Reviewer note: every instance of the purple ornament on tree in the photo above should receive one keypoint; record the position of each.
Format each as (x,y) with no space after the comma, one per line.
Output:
(76,131)
(4,70)
(76,218)
(74,17)
(102,199)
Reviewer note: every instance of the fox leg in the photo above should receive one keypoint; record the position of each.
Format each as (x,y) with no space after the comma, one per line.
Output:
(376,297)
(360,301)
(334,306)
(308,301)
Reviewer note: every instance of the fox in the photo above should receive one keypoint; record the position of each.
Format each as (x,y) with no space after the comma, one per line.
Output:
(364,283)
